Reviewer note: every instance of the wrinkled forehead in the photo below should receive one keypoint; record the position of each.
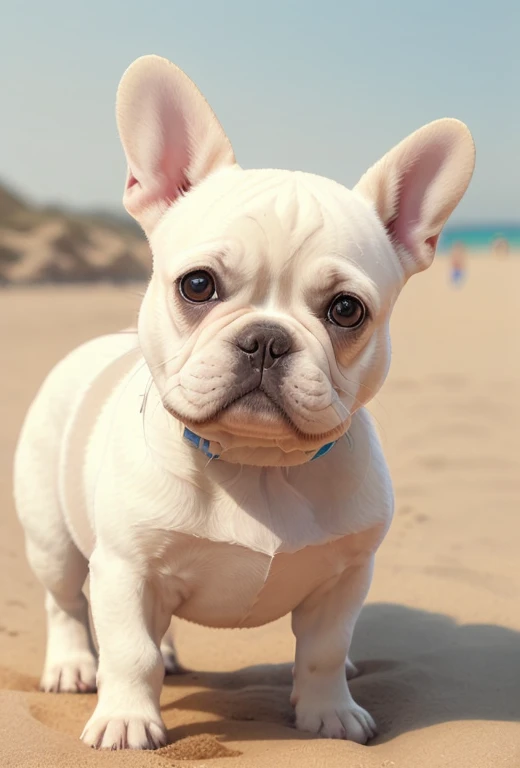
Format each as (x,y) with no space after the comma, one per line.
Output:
(285,220)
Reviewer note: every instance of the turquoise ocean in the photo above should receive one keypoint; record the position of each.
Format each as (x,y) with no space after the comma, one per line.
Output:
(479,237)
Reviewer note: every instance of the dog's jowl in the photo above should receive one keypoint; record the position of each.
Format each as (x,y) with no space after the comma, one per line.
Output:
(218,464)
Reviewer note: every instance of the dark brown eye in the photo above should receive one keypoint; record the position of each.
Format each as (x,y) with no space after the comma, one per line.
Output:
(198,286)
(347,311)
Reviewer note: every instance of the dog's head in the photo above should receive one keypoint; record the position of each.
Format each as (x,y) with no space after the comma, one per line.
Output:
(265,323)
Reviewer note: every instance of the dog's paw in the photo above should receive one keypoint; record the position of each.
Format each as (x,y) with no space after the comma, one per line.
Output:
(124,732)
(74,674)
(336,720)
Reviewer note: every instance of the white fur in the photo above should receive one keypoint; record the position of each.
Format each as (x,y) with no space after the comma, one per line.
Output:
(103,477)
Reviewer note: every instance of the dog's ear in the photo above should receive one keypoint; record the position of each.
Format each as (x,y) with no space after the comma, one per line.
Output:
(171,137)
(416,186)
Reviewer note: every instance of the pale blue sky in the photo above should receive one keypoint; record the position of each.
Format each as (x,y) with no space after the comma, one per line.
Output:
(324,86)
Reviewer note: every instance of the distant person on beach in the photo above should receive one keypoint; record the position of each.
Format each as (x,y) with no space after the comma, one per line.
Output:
(500,247)
(458,263)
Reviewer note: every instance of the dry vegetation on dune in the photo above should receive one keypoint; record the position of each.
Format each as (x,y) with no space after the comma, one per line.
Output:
(52,245)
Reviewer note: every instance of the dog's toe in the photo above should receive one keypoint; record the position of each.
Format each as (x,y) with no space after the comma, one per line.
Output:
(336,720)
(126,732)
(76,674)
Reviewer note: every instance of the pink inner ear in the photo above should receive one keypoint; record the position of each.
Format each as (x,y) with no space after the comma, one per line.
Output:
(431,242)
(413,188)
(163,190)
(174,152)
(159,160)
(131,180)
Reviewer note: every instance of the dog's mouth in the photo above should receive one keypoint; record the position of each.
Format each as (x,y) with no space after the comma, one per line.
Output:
(256,413)
(258,404)
(259,415)
(254,409)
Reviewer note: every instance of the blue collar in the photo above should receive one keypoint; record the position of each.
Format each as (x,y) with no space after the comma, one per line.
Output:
(204,446)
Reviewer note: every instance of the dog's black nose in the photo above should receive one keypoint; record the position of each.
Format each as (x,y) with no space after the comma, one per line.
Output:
(264,344)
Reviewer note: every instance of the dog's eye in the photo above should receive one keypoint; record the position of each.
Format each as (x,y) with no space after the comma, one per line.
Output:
(347,311)
(198,286)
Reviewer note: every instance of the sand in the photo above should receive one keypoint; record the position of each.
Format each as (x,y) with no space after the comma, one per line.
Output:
(438,642)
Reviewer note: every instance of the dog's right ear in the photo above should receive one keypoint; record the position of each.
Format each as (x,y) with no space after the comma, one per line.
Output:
(171,137)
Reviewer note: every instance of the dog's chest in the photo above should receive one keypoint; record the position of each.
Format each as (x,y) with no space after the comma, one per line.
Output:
(225,585)
(228,546)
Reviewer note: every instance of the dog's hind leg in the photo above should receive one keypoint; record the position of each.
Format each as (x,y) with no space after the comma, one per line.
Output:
(70,660)
(351,669)
(169,654)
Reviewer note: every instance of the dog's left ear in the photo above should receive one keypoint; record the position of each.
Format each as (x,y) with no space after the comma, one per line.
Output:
(416,186)
(171,137)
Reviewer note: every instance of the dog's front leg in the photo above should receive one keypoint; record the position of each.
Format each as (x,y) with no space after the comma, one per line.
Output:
(130,620)
(323,625)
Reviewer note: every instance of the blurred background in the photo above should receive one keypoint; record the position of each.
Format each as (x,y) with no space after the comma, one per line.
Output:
(325,87)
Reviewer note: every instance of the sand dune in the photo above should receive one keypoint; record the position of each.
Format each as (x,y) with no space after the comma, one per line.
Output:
(438,643)
(53,245)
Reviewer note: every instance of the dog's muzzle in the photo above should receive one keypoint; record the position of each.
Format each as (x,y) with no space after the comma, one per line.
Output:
(263,348)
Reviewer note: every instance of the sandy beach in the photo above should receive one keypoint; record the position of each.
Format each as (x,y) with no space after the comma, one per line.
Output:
(438,643)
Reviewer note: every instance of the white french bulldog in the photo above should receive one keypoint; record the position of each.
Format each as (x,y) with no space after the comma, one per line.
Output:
(218,464)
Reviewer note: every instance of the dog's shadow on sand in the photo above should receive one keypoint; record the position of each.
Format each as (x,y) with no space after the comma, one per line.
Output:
(416,669)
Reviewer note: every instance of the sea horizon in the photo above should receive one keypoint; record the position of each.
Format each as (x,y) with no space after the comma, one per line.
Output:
(480,237)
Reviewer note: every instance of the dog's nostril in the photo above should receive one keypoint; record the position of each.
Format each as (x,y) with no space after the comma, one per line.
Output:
(249,345)
(279,347)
